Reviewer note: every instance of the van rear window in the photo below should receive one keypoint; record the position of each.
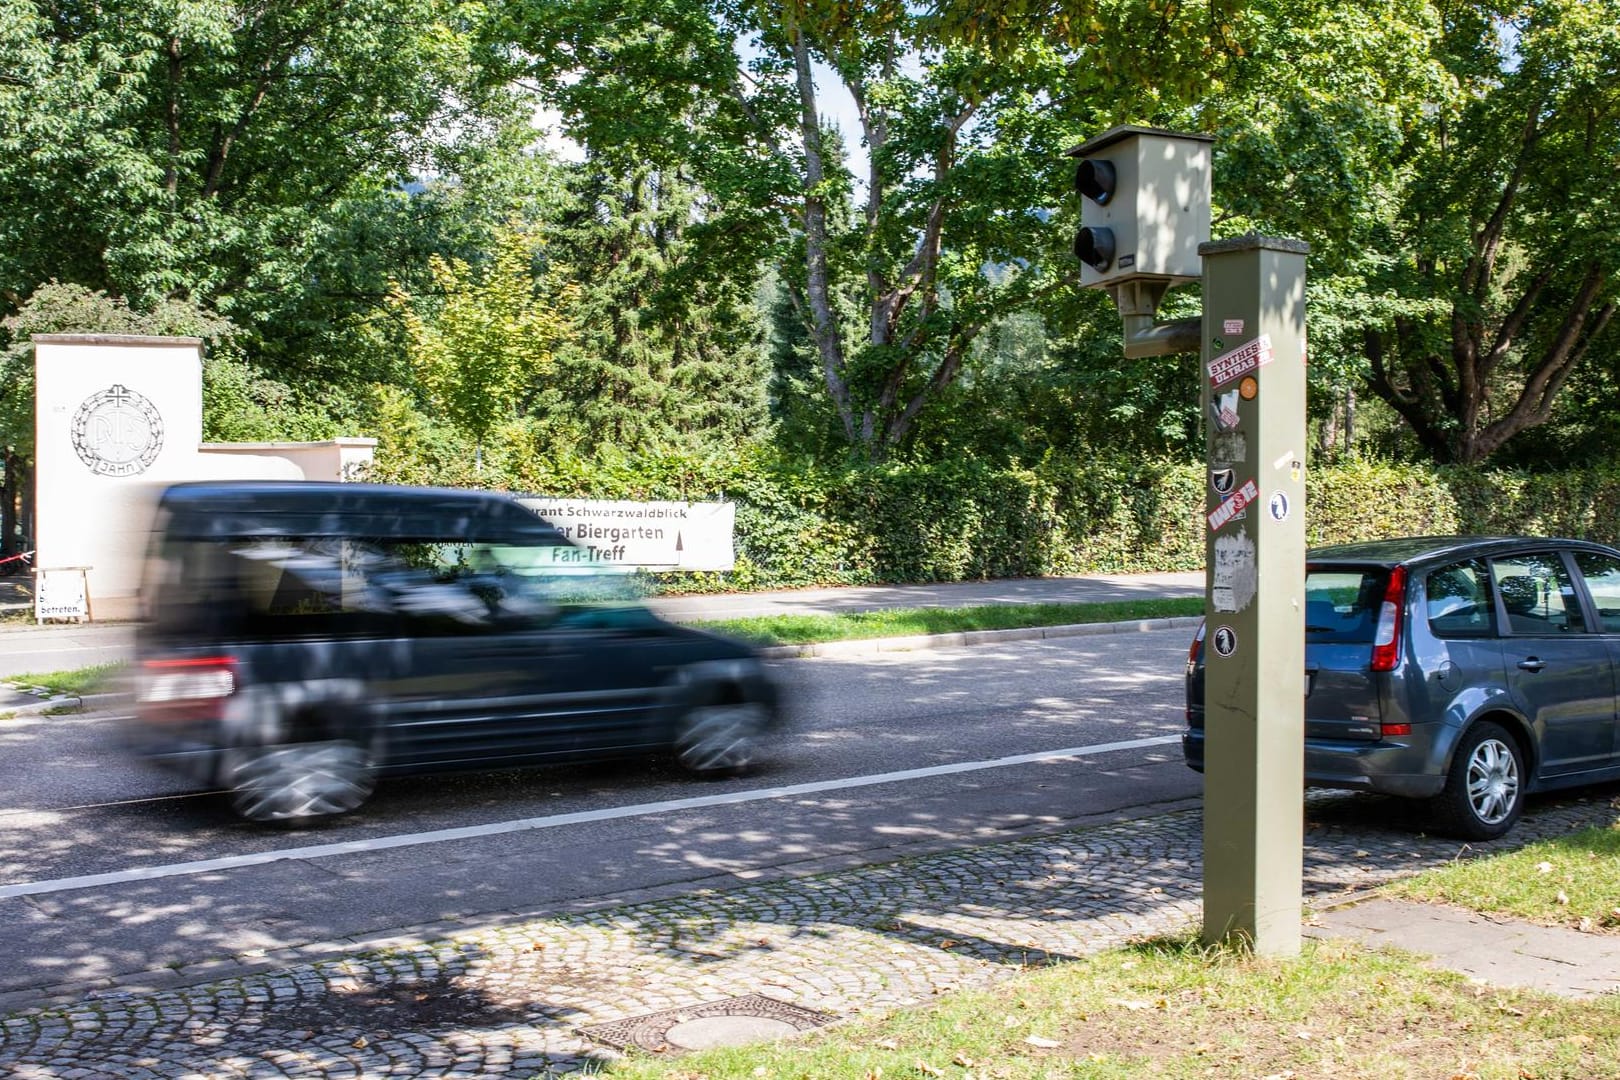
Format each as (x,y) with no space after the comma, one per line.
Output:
(1341,604)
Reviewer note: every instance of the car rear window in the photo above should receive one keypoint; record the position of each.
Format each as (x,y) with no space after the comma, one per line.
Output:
(1458,602)
(1341,603)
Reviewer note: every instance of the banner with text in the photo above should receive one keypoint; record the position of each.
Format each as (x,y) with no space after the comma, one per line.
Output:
(651,535)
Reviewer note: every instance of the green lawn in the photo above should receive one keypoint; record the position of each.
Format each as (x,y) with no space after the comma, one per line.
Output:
(905,622)
(1176,1010)
(1571,881)
(88,680)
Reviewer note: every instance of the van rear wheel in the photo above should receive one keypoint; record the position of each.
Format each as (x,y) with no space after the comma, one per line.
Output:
(1484,792)
(298,783)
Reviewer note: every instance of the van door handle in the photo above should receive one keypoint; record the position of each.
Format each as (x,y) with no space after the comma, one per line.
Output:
(1532,664)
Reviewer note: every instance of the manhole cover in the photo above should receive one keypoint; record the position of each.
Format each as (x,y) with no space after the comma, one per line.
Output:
(731,1022)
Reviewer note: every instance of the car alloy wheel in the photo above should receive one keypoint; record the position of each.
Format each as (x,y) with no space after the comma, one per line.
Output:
(299,782)
(1493,781)
(712,740)
(1484,793)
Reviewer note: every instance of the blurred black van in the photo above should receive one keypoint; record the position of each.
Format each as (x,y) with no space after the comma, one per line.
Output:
(303,639)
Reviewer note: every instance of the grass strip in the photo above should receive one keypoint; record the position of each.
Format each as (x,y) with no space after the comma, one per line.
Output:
(80,681)
(1571,881)
(1173,1009)
(905,622)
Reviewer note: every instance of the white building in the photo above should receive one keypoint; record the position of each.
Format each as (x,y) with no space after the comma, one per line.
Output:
(116,419)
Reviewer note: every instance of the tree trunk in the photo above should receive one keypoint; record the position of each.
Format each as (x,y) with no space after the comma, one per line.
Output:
(823,321)
(9,490)
(1349,421)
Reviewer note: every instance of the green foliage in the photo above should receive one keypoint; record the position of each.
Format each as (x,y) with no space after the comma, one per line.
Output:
(60,308)
(668,352)
(799,524)
(213,151)
(483,353)
(240,405)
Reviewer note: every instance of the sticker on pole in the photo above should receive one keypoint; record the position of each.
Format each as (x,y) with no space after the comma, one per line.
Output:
(1224,641)
(1278,506)
(1233,578)
(1232,326)
(1223,410)
(1231,508)
(1243,360)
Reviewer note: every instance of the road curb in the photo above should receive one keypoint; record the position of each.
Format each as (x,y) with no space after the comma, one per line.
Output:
(918,642)
(62,703)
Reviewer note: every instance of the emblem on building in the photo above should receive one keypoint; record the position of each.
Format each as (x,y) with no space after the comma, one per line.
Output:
(117,432)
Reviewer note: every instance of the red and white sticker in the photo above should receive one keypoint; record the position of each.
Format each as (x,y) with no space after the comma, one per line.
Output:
(1230,508)
(1232,326)
(1246,358)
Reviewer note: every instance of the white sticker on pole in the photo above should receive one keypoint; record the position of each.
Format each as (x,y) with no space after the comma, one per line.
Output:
(1241,361)
(1233,578)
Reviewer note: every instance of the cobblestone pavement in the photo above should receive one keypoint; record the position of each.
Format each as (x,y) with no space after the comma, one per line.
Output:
(511,1000)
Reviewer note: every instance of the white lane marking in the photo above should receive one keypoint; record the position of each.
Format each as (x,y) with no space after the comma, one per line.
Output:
(468,832)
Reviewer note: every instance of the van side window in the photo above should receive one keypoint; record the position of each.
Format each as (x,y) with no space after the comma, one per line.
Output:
(1459,600)
(1537,594)
(1602,575)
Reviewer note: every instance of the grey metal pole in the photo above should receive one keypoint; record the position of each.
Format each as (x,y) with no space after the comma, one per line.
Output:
(1253,391)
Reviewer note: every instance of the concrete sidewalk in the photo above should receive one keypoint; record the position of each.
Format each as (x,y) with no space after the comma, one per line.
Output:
(521,994)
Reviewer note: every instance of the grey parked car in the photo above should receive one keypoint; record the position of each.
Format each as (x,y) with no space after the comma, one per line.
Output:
(304,639)
(1467,671)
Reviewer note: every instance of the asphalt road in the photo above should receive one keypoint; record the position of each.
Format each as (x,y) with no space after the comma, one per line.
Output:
(107,868)
(27,649)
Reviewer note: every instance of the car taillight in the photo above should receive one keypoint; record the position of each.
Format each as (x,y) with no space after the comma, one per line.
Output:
(1196,647)
(194,685)
(1386,651)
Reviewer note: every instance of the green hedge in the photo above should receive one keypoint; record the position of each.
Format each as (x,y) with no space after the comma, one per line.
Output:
(802,525)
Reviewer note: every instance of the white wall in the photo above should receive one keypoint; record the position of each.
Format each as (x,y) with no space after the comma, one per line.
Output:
(116,419)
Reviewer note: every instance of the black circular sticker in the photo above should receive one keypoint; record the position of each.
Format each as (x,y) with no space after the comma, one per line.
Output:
(1225,641)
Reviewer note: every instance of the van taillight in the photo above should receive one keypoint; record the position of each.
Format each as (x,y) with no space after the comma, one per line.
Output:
(1386,651)
(1196,647)
(195,684)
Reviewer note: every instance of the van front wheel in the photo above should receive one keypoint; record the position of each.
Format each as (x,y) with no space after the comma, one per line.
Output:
(719,740)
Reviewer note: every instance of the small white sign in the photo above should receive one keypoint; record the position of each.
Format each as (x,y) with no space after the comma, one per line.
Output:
(651,535)
(61,594)
(1232,326)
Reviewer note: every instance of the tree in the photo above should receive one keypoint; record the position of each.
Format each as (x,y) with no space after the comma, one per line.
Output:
(950,136)
(668,353)
(962,211)
(1510,233)
(194,149)
(1446,163)
(484,351)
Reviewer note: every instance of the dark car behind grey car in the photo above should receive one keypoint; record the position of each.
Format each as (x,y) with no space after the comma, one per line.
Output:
(1467,671)
(303,639)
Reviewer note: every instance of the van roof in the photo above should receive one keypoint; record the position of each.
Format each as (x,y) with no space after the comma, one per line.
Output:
(213,510)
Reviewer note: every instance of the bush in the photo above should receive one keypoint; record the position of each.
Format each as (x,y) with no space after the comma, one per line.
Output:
(800,524)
